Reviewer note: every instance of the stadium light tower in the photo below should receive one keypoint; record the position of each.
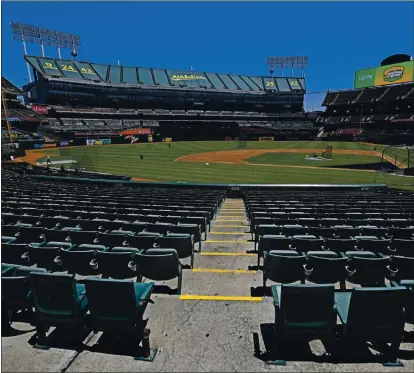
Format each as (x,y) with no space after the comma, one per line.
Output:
(42,36)
(287,62)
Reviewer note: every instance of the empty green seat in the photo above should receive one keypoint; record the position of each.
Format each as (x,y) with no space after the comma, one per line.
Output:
(374,314)
(401,268)
(160,265)
(15,291)
(283,266)
(59,301)
(117,263)
(117,307)
(366,269)
(182,243)
(325,267)
(270,242)
(44,255)
(14,253)
(303,312)
(77,260)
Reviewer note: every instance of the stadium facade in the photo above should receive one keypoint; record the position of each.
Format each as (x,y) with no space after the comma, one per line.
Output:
(84,99)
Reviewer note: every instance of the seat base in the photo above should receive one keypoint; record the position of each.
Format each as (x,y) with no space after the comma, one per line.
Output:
(150,357)
(397,363)
(41,347)
(276,362)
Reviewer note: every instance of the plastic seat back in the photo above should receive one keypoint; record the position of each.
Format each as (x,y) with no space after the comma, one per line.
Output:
(404,266)
(55,298)
(183,245)
(284,266)
(317,300)
(376,312)
(158,264)
(113,305)
(322,269)
(115,264)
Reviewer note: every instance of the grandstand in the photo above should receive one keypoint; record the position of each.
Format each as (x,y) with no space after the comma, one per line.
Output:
(380,107)
(88,99)
(23,122)
(378,114)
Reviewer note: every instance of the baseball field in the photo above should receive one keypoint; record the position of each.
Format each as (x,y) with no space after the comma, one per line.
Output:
(267,162)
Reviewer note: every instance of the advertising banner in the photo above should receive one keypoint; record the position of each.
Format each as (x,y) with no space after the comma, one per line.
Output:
(138,131)
(266,138)
(64,143)
(103,133)
(383,75)
(45,145)
(40,109)
(98,141)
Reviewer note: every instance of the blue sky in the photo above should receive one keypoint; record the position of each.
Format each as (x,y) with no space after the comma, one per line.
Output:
(228,37)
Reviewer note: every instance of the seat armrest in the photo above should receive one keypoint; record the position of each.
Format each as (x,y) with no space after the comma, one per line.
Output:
(94,264)
(145,296)
(349,271)
(132,266)
(392,272)
(308,271)
(342,302)
(276,300)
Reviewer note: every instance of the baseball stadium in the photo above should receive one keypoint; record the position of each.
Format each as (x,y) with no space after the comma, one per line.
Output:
(156,219)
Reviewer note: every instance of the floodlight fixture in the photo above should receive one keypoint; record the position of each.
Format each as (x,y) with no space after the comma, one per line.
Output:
(287,62)
(39,35)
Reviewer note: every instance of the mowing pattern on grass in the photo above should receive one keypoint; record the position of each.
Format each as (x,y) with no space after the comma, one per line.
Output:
(159,163)
(299,159)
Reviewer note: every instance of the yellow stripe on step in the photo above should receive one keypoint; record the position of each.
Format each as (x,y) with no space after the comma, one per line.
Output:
(218,270)
(240,221)
(218,253)
(224,241)
(232,210)
(230,226)
(235,233)
(219,298)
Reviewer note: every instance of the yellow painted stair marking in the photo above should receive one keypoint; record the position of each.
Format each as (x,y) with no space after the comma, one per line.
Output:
(213,241)
(240,221)
(235,233)
(218,253)
(230,226)
(219,298)
(231,214)
(218,270)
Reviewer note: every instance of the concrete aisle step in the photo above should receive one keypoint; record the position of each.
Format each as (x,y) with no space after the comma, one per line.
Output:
(225,270)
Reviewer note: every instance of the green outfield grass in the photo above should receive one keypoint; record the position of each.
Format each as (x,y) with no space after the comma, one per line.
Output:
(159,163)
(300,160)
